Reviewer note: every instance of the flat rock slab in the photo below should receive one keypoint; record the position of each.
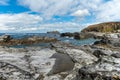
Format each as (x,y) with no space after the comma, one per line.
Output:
(32,63)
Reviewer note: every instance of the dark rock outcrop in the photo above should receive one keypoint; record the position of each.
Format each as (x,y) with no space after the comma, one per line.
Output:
(67,34)
(106,68)
(7,41)
(78,35)
(107,41)
(5,38)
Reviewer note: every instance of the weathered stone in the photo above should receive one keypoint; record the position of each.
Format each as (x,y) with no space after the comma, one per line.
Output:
(116,55)
(98,53)
(79,36)
(67,34)
(26,41)
(5,38)
(63,63)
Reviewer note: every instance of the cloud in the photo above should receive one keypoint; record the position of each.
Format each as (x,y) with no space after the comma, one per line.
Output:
(100,10)
(59,26)
(5,28)
(25,22)
(81,13)
(24,18)
(49,8)
(4,2)
(109,11)
(18,21)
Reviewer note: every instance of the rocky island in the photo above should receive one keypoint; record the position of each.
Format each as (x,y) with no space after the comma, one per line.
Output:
(63,61)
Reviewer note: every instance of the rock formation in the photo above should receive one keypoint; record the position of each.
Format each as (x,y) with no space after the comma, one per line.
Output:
(7,41)
(103,27)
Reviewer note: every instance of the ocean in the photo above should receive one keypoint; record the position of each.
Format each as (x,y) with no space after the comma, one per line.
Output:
(70,40)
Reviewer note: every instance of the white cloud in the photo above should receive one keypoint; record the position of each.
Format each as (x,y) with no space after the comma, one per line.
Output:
(63,26)
(109,11)
(59,26)
(5,28)
(4,2)
(18,21)
(23,18)
(81,13)
(24,22)
(101,10)
(50,8)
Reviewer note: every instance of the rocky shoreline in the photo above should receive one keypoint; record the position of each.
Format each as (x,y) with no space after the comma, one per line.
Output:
(7,40)
(62,61)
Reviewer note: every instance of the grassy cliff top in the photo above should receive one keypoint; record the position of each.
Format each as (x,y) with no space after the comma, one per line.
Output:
(103,27)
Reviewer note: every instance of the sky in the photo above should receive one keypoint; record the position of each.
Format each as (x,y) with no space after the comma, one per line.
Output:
(39,16)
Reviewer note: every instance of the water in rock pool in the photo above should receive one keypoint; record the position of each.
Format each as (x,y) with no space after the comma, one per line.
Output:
(63,39)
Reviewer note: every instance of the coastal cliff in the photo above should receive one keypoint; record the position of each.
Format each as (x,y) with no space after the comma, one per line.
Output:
(103,27)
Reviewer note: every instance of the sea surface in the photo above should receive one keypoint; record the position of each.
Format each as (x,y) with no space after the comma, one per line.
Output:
(70,40)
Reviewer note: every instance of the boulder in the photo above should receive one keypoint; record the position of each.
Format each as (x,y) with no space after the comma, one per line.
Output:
(5,38)
(98,53)
(113,42)
(63,63)
(79,36)
(111,35)
(67,34)
(116,55)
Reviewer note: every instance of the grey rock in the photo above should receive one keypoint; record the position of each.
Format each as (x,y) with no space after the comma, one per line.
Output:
(63,63)
(5,38)
(116,55)
(98,53)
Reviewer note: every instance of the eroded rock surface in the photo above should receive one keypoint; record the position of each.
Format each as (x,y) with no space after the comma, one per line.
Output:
(6,40)
(61,61)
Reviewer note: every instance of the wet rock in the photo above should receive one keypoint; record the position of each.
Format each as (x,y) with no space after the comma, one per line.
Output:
(113,42)
(28,41)
(67,34)
(116,55)
(102,42)
(5,38)
(79,36)
(99,53)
